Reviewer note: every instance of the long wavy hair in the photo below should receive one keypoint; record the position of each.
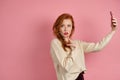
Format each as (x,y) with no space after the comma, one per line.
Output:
(56,29)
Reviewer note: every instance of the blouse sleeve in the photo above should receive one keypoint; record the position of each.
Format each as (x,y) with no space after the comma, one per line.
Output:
(90,47)
(59,58)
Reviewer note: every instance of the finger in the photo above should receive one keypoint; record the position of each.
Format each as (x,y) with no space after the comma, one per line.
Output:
(114,24)
(114,20)
(71,45)
(68,44)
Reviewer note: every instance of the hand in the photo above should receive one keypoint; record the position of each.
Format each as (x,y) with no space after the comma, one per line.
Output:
(113,22)
(71,44)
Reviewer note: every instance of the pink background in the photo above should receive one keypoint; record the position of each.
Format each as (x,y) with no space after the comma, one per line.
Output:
(26,32)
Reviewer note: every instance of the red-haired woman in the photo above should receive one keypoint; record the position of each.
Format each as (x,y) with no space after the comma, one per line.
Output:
(68,54)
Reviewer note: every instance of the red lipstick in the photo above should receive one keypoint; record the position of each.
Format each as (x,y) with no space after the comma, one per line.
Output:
(66,33)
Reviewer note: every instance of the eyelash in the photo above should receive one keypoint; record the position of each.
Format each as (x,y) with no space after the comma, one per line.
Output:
(67,25)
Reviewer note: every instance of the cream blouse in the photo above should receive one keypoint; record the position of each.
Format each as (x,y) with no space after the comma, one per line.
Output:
(68,68)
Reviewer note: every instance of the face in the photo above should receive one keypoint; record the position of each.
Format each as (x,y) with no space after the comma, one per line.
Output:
(66,28)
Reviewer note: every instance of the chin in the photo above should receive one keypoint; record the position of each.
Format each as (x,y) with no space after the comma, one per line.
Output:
(66,36)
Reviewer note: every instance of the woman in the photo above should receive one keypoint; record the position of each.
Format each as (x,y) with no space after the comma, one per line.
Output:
(68,54)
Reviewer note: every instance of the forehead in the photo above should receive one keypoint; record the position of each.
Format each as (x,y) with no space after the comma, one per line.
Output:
(67,21)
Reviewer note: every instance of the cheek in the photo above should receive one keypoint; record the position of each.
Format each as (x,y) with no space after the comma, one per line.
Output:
(61,30)
(70,30)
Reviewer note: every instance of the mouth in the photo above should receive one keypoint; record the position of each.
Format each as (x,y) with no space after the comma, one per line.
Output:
(66,33)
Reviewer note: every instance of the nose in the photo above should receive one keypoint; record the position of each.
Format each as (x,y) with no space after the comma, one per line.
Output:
(65,28)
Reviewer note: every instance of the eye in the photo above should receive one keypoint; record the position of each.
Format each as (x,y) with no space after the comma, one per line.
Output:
(69,25)
(62,25)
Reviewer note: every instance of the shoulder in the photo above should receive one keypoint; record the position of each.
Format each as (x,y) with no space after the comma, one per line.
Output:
(55,41)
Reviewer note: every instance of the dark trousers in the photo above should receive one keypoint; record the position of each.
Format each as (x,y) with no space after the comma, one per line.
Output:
(80,77)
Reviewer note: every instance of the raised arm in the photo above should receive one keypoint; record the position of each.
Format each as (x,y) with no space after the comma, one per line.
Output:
(90,47)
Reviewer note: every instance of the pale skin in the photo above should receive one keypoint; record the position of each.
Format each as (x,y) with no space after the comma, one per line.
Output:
(66,28)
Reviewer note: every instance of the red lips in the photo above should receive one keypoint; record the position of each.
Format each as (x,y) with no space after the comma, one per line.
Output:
(66,33)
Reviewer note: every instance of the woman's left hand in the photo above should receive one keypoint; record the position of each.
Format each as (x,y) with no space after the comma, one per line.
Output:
(71,44)
(113,22)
